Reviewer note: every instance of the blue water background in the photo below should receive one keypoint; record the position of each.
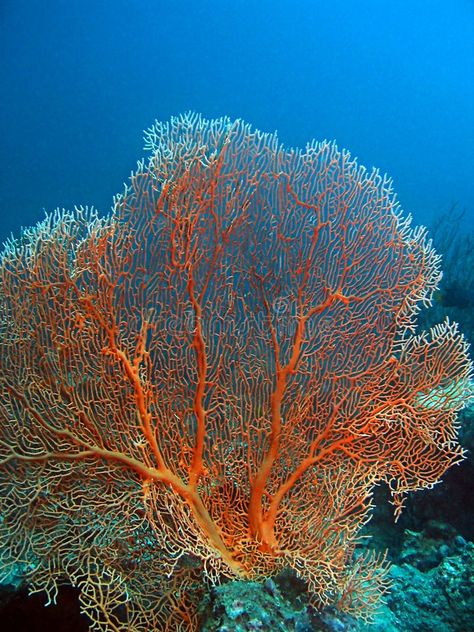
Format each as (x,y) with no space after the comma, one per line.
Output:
(391,81)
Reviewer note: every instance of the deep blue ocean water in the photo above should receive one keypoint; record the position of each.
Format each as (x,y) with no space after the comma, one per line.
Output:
(393,82)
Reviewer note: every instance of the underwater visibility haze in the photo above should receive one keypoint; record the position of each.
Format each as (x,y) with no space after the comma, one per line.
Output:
(222,384)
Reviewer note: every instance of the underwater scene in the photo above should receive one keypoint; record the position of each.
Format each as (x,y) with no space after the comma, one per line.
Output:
(236,316)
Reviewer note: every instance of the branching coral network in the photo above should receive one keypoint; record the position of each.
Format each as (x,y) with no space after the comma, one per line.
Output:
(210,382)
